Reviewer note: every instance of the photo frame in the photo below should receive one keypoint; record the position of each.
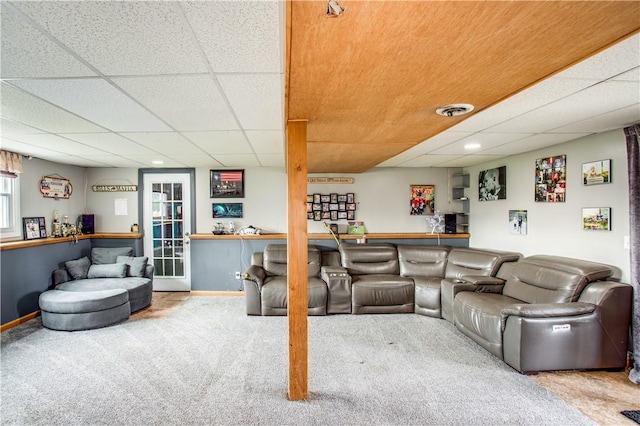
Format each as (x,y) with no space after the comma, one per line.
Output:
(34,228)
(227,183)
(422,199)
(227,210)
(550,179)
(331,206)
(492,184)
(596,172)
(518,222)
(596,218)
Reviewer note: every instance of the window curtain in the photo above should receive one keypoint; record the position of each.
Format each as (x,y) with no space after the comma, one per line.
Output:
(632,135)
(10,164)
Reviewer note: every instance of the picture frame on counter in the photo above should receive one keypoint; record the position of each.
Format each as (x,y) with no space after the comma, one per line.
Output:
(34,228)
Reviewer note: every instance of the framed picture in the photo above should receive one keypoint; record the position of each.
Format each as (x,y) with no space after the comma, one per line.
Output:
(596,218)
(422,199)
(596,172)
(317,215)
(334,214)
(325,198)
(492,184)
(550,179)
(350,197)
(227,210)
(334,198)
(34,228)
(227,183)
(316,198)
(342,215)
(518,222)
(342,198)
(309,215)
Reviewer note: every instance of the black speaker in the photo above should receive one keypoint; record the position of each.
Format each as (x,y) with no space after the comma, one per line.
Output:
(88,224)
(449,223)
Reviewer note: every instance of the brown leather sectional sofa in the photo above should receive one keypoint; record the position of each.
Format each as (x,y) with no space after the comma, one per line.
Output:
(537,313)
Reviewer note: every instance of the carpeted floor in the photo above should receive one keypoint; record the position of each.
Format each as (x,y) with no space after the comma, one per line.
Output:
(208,363)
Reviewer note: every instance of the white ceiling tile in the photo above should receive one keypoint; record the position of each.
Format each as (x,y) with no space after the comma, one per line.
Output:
(485,139)
(8,127)
(57,143)
(534,97)
(427,160)
(109,142)
(271,160)
(602,123)
(115,161)
(266,141)
(631,75)
(29,110)
(26,149)
(608,63)
(238,36)
(198,160)
(533,142)
(595,100)
(187,103)
(238,160)
(122,37)
(221,142)
(148,161)
(26,52)
(75,161)
(256,98)
(167,143)
(97,101)
(469,160)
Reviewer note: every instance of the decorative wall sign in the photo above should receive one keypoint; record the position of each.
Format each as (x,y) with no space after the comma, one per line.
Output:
(422,199)
(492,184)
(227,183)
(55,187)
(340,180)
(331,206)
(596,172)
(596,218)
(114,188)
(34,228)
(550,179)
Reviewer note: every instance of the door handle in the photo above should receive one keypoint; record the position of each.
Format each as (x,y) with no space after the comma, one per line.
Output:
(186,238)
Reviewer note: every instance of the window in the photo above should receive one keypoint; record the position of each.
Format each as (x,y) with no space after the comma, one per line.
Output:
(10,207)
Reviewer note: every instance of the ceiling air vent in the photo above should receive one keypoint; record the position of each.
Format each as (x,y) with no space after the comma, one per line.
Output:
(454,110)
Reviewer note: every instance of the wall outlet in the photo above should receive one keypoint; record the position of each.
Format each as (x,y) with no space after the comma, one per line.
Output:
(238,276)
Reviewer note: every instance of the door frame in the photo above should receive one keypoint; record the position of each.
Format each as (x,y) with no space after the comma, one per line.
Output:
(172,170)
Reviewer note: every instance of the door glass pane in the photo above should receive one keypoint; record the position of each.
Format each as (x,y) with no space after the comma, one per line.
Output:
(177,191)
(179,269)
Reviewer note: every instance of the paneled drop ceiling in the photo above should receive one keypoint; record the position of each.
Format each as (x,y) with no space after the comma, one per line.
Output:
(203,83)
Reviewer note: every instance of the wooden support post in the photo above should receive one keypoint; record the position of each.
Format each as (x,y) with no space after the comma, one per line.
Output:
(297,257)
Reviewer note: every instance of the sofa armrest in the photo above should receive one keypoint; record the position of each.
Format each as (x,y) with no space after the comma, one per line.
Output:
(255,274)
(60,276)
(481,280)
(148,271)
(545,310)
(339,289)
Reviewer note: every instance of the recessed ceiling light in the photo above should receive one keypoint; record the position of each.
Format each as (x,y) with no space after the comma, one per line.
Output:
(158,162)
(453,110)
(473,145)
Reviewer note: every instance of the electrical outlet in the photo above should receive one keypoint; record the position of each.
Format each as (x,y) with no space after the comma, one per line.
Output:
(238,276)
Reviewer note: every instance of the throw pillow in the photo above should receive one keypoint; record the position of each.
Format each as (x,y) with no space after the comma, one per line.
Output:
(104,255)
(112,270)
(135,265)
(78,268)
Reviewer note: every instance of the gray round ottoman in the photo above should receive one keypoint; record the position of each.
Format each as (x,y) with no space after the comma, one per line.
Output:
(83,310)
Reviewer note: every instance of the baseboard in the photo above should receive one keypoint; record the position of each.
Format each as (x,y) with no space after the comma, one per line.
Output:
(18,321)
(217,293)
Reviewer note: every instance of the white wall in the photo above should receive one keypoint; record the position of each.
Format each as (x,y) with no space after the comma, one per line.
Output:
(556,228)
(102,204)
(382,197)
(33,204)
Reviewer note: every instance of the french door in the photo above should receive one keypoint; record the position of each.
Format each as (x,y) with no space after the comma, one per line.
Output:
(166,227)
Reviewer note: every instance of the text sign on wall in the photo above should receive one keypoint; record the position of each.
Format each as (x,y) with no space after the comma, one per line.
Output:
(114,188)
(346,180)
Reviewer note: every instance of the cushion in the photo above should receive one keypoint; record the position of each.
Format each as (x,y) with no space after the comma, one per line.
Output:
(112,270)
(135,265)
(78,268)
(104,255)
